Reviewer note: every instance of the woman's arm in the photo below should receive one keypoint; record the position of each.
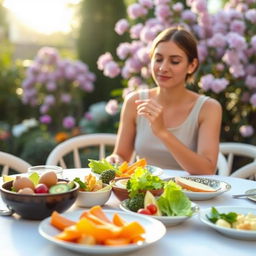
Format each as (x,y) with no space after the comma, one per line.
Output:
(124,146)
(204,160)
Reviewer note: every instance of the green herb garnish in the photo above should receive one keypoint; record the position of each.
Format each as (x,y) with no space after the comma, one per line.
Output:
(215,216)
(82,184)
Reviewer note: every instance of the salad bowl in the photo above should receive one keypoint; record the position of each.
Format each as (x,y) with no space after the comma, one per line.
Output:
(121,192)
(166,220)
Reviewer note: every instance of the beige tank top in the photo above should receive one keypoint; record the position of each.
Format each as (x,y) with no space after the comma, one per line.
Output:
(148,146)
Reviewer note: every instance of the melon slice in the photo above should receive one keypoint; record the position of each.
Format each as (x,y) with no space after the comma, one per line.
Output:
(193,185)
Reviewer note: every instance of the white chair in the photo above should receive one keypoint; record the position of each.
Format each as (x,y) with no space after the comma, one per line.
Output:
(9,161)
(101,140)
(222,165)
(232,149)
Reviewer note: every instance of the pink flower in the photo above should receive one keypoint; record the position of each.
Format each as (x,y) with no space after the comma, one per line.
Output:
(136,10)
(220,67)
(253,42)
(251,15)
(146,3)
(219,85)
(250,81)
(178,7)
(189,16)
(135,30)
(111,69)
(237,26)
(88,116)
(45,119)
(237,70)
(103,60)
(123,50)
(206,82)
(49,100)
(236,41)
(121,26)
(87,86)
(44,109)
(147,35)
(246,130)
(134,82)
(68,122)
(253,100)
(51,86)
(199,6)
(157,2)
(218,40)
(66,98)
(112,107)
(162,11)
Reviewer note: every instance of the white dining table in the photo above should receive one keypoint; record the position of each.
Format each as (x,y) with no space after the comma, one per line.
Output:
(20,237)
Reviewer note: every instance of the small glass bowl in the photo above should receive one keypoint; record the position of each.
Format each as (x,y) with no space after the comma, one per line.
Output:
(41,169)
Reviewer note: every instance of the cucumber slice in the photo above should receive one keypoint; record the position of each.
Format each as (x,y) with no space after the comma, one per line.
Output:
(150,199)
(59,188)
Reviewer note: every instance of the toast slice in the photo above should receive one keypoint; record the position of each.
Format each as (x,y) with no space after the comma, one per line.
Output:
(193,185)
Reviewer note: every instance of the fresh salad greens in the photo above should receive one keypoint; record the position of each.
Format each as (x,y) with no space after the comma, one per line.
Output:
(142,180)
(99,166)
(215,216)
(173,202)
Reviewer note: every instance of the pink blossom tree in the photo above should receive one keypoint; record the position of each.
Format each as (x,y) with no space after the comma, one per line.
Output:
(227,52)
(54,85)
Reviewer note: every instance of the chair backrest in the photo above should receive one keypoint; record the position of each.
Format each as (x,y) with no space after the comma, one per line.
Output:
(222,165)
(9,161)
(232,149)
(101,140)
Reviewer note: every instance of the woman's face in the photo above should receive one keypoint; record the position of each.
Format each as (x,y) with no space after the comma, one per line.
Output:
(170,66)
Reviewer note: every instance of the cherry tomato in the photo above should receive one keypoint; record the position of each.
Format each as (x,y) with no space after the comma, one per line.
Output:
(152,208)
(144,211)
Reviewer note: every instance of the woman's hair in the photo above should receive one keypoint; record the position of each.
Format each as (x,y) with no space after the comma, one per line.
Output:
(184,40)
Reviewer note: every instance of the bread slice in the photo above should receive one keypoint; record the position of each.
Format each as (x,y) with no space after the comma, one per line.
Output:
(193,185)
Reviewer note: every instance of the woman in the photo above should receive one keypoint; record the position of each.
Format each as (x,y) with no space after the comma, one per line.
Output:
(171,126)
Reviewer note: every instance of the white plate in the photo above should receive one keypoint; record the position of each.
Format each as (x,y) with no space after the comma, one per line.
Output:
(219,186)
(155,230)
(167,220)
(250,191)
(156,171)
(234,233)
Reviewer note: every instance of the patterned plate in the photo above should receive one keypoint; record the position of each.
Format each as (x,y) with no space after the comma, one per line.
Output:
(219,186)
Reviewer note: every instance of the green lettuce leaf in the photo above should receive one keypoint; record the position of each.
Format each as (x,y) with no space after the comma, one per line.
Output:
(173,202)
(98,166)
(142,180)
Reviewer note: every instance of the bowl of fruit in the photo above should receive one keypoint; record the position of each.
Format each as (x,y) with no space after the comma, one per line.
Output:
(36,197)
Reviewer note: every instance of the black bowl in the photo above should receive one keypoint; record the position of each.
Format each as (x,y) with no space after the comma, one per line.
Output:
(37,206)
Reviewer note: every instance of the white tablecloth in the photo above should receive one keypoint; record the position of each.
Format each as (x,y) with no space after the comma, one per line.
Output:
(20,237)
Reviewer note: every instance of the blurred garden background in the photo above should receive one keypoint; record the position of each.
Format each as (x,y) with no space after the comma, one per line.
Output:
(65,65)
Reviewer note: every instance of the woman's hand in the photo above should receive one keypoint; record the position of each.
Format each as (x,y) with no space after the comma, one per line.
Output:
(153,111)
(114,159)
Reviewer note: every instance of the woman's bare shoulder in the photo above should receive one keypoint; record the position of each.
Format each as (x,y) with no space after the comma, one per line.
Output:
(212,104)
(212,107)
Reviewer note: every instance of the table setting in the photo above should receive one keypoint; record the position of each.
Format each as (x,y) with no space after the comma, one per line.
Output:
(21,236)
